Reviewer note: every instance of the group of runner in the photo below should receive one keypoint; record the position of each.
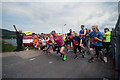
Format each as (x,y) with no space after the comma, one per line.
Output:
(84,42)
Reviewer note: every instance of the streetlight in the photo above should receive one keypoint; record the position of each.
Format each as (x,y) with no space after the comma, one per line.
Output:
(62,28)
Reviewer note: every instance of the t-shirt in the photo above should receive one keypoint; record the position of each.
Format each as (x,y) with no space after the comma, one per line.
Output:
(87,36)
(58,40)
(98,34)
(76,40)
(34,36)
(35,41)
(107,36)
(82,32)
(69,36)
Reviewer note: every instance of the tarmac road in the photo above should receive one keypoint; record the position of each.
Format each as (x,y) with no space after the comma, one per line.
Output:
(35,64)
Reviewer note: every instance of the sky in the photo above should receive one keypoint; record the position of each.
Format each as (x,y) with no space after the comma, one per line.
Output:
(39,17)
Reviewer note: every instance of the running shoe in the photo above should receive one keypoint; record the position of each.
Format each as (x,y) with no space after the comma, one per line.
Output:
(83,56)
(91,60)
(48,54)
(64,58)
(75,57)
(102,60)
(61,55)
(97,56)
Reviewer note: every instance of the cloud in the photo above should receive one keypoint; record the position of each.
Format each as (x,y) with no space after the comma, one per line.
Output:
(45,16)
(0,15)
(59,0)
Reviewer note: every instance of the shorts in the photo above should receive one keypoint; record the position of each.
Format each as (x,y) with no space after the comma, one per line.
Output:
(65,42)
(69,42)
(97,48)
(106,44)
(84,43)
(62,46)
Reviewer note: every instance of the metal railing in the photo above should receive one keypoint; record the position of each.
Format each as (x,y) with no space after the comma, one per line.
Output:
(116,47)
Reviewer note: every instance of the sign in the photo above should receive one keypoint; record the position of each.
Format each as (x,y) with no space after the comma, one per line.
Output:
(28,33)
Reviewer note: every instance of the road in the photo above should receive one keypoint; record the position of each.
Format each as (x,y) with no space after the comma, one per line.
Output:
(36,64)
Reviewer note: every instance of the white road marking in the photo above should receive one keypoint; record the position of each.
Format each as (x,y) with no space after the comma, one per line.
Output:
(50,62)
(31,59)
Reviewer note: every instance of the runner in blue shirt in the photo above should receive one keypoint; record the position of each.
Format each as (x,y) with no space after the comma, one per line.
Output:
(82,35)
(96,42)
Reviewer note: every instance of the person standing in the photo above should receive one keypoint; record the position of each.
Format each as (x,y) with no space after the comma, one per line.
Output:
(19,38)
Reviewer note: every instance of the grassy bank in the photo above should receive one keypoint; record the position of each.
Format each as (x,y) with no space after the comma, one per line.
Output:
(7,47)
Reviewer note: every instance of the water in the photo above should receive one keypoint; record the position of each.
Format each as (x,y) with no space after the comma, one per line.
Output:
(11,41)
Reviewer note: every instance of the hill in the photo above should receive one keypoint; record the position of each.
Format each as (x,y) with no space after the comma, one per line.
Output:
(7,34)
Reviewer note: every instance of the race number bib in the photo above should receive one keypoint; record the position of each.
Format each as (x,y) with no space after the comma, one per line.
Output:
(94,41)
(75,43)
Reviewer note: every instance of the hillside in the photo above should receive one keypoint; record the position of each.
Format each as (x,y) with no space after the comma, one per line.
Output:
(7,34)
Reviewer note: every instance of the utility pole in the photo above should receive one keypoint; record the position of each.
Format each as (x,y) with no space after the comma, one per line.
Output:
(62,28)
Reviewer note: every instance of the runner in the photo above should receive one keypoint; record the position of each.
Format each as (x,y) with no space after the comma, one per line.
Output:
(76,42)
(34,35)
(38,35)
(96,42)
(49,44)
(43,43)
(87,40)
(59,41)
(65,40)
(82,34)
(42,34)
(69,40)
(35,42)
(106,41)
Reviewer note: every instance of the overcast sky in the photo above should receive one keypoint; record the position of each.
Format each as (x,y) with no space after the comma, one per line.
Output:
(46,16)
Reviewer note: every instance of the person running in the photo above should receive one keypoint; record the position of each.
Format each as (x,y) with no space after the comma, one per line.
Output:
(49,44)
(82,34)
(44,44)
(34,35)
(38,35)
(35,42)
(96,42)
(87,40)
(58,41)
(65,40)
(69,40)
(106,41)
(76,43)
